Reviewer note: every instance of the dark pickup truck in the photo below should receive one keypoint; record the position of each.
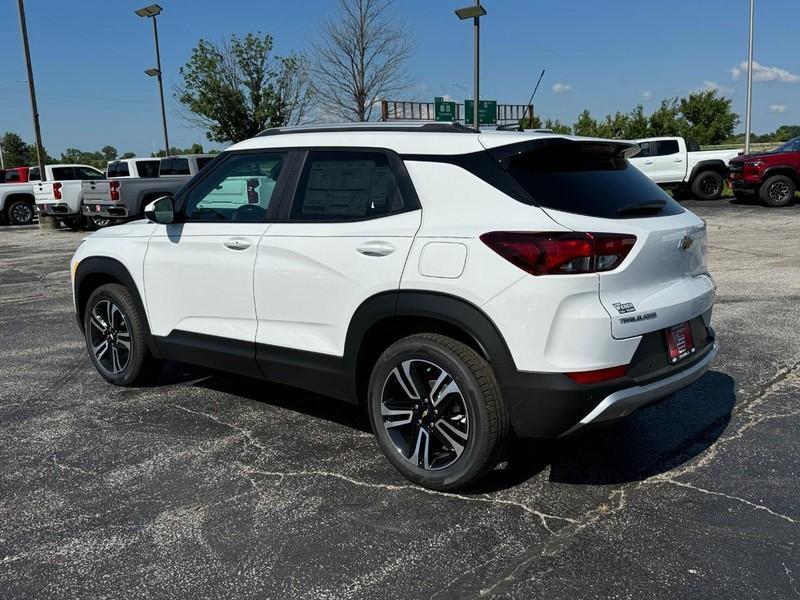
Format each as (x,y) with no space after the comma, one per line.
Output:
(772,177)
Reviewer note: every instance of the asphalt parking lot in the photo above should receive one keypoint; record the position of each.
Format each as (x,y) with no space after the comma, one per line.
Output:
(208,486)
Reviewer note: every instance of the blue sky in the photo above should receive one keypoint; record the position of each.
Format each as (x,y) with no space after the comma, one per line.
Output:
(607,55)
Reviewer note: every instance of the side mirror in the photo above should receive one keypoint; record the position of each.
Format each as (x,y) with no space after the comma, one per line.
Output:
(161,210)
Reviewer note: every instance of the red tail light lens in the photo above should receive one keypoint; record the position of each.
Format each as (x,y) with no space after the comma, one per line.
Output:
(57,191)
(585,377)
(113,188)
(561,253)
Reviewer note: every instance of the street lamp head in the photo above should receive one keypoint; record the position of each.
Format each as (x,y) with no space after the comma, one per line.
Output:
(149,11)
(470,12)
(153,72)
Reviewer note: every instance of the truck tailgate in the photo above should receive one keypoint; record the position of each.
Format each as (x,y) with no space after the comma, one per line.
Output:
(96,191)
(43,192)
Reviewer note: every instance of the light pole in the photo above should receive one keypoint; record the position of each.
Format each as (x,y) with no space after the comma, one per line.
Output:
(748,115)
(151,12)
(475,13)
(45,222)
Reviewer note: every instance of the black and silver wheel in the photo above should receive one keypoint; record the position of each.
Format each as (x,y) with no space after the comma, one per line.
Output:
(100,222)
(436,410)
(778,190)
(20,212)
(708,185)
(116,337)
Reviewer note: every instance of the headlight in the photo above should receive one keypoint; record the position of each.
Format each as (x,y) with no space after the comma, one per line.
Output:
(755,163)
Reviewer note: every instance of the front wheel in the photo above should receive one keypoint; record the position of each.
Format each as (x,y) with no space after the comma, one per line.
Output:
(777,191)
(20,212)
(116,337)
(708,185)
(437,412)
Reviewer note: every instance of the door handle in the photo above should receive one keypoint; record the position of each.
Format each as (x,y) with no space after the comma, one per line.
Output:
(375,249)
(648,162)
(236,243)
(678,160)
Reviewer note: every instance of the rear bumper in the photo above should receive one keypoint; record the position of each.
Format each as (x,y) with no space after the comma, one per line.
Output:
(109,211)
(56,209)
(623,402)
(549,405)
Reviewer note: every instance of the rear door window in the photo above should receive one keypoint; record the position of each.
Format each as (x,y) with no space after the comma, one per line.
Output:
(667,147)
(148,168)
(11,177)
(586,178)
(63,173)
(174,166)
(118,169)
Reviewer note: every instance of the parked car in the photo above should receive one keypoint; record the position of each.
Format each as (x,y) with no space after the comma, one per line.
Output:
(679,164)
(14,175)
(60,197)
(771,177)
(460,285)
(18,200)
(121,199)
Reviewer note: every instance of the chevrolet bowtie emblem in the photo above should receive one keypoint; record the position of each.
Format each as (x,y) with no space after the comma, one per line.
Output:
(685,243)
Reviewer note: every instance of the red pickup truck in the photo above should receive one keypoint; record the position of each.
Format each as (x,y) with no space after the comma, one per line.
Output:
(14,175)
(773,176)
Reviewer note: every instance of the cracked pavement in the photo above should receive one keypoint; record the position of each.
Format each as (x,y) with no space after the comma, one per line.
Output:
(211,486)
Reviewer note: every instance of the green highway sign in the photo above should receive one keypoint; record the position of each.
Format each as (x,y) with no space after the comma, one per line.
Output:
(444,111)
(487,112)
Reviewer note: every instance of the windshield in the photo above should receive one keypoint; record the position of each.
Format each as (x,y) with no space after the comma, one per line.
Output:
(792,145)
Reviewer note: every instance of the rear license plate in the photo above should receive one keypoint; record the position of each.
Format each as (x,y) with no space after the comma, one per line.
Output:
(97,208)
(680,342)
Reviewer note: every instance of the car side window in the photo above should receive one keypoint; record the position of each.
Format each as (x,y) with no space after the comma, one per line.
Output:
(174,166)
(63,173)
(646,150)
(667,147)
(85,174)
(340,185)
(241,189)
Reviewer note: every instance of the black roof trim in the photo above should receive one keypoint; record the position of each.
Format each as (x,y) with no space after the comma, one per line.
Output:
(425,128)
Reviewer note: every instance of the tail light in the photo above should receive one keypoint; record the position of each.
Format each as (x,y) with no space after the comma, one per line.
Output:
(599,375)
(561,253)
(113,188)
(57,191)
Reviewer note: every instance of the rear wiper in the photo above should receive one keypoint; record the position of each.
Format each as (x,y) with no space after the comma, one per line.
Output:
(644,208)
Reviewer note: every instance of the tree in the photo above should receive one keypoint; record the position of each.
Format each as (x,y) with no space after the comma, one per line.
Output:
(557,126)
(360,58)
(614,127)
(638,124)
(786,132)
(173,151)
(128,155)
(709,118)
(666,119)
(16,152)
(237,89)
(586,125)
(109,152)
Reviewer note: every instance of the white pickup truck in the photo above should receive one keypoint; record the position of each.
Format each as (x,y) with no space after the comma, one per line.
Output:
(61,195)
(124,198)
(131,168)
(679,164)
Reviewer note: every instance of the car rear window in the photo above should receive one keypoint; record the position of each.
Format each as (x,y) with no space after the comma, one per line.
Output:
(118,169)
(586,178)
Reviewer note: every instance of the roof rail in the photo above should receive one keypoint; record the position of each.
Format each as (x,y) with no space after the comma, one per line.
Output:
(372,126)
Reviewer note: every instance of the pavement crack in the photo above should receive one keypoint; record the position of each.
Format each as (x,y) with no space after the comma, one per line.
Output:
(543,517)
(250,439)
(788,572)
(63,467)
(696,488)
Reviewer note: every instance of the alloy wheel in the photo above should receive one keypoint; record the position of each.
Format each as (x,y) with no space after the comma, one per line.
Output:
(779,191)
(21,213)
(425,414)
(710,185)
(110,336)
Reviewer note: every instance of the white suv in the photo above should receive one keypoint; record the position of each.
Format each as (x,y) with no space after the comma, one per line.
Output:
(462,286)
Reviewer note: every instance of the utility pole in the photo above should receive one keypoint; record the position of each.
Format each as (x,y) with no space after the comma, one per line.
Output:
(151,12)
(475,13)
(45,222)
(748,115)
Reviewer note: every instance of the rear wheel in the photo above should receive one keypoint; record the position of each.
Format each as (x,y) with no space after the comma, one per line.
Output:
(116,337)
(778,190)
(100,222)
(436,410)
(19,212)
(708,185)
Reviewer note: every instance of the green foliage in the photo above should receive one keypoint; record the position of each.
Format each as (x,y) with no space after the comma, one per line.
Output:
(709,118)
(109,152)
(586,125)
(18,153)
(128,155)
(173,151)
(237,89)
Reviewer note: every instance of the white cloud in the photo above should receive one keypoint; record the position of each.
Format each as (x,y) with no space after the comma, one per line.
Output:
(764,74)
(647,95)
(778,109)
(713,85)
(562,88)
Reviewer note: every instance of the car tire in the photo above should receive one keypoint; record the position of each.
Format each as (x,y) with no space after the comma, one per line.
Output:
(708,185)
(777,191)
(116,337)
(20,212)
(437,412)
(100,222)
